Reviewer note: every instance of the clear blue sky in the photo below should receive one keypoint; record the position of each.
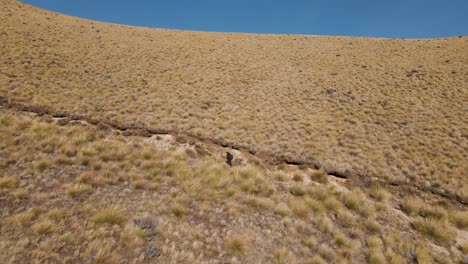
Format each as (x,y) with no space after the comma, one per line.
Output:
(375,18)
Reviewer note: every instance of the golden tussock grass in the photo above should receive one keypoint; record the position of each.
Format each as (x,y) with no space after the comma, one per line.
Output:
(8,182)
(191,188)
(380,111)
(111,216)
(75,190)
(237,244)
(22,194)
(460,219)
(369,106)
(436,229)
(44,227)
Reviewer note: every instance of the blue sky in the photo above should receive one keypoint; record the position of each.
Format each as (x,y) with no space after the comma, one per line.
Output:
(372,18)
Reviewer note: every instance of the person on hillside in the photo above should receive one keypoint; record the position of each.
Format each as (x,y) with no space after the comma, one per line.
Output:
(229,158)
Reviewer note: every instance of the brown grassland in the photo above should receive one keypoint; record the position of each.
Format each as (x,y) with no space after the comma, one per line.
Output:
(112,140)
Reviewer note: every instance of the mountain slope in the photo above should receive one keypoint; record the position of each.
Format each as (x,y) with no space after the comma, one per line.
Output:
(385,107)
(112,144)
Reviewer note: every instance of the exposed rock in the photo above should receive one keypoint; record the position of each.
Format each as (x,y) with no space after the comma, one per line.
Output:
(330,91)
(144,223)
(252,151)
(151,251)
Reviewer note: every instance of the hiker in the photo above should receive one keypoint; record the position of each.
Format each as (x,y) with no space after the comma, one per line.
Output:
(229,158)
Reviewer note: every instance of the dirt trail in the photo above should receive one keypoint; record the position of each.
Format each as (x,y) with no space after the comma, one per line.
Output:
(248,153)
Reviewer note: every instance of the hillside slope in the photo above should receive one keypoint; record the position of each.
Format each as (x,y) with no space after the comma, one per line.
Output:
(381,107)
(113,141)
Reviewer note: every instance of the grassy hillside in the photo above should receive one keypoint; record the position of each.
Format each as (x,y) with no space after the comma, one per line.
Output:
(385,107)
(74,192)
(112,141)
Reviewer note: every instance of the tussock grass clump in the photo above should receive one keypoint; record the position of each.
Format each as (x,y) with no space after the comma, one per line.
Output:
(374,242)
(237,244)
(464,247)
(372,225)
(25,219)
(299,208)
(76,190)
(346,219)
(435,229)
(99,251)
(110,216)
(352,201)
(298,178)
(411,205)
(316,260)
(419,254)
(379,193)
(8,182)
(139,184)
(178,210)
(279,176)
(415,206)
(340,240)
(376,257)
(41,165)
(56,214)
(259,202)
(327,253)
(297,190)
(320,193)
(319,176)
(248,172)
(332,204)
(324,224)
(44,227)
(282,209)
(433,212)
(374,250)
(459,219)
(282,256)
(22,194)
(63,160)
(356,202)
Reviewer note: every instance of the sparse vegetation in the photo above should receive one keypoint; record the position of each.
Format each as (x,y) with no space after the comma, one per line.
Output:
(297,190)
(111,216)
(44,227)
(178,210)
(75,190)
(237,244)
(8,182)
(435,229)
(319,176)
(103,185)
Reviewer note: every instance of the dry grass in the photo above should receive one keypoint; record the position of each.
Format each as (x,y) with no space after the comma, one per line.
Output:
(298,190)
(319,176)
(75,190)
(172,199)
(354,104)
(436,229)
(8,182)
(460,219)
(411,205)
(379,194)
(44,227)
(111,216)
(237,244)
(193,199)
(178,210)
(22,194)
(282,209)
